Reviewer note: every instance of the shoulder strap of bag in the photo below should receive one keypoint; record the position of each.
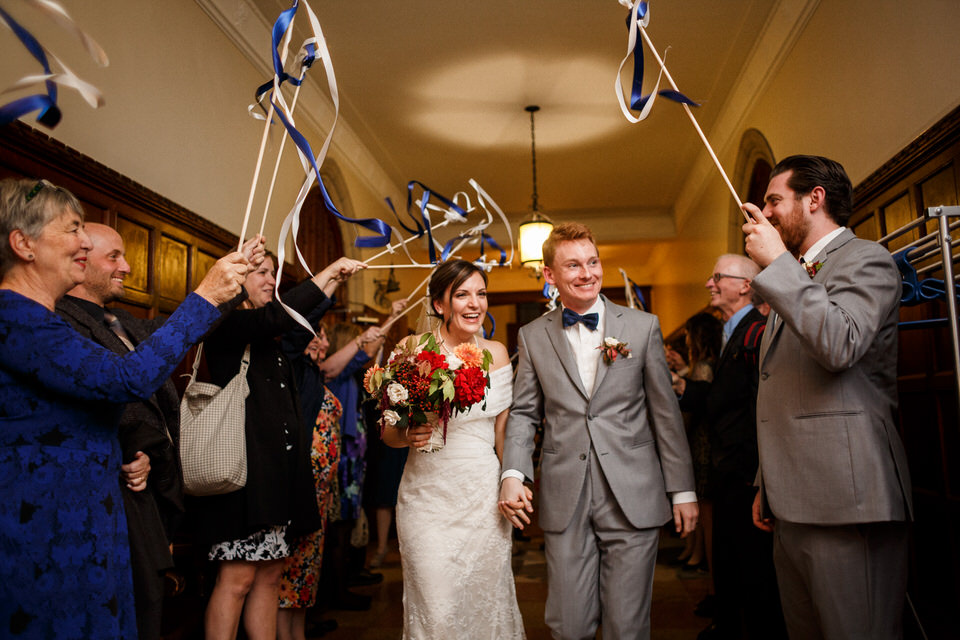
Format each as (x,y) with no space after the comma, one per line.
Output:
(244,363)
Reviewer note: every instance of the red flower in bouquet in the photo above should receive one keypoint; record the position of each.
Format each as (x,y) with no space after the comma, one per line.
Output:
(470,384)
(434,359)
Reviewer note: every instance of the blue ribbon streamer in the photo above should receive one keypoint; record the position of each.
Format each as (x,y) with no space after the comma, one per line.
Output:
(417,231)
(424,200)
(493,327)
(637,99)
(493,244)
(379,227)
(46,104)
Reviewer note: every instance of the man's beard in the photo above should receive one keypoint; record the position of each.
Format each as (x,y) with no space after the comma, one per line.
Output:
(793,231)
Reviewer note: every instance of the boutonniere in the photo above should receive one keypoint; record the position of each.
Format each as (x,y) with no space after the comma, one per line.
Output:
(813,267)
(611,348)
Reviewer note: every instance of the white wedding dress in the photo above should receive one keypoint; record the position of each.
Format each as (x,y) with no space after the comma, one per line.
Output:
(455,547)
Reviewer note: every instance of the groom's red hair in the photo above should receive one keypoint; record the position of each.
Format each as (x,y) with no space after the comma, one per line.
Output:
(566,232)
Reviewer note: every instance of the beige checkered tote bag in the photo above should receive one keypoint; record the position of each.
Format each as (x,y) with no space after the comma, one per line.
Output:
(213,444)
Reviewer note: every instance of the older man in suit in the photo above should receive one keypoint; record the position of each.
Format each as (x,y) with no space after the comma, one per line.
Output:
(747,600)
(614,448)
(153,493)
(833,472)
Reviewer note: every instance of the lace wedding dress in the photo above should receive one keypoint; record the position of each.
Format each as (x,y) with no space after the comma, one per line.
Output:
(454,544)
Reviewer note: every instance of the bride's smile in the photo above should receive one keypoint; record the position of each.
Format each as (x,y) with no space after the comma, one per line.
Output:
(464,310)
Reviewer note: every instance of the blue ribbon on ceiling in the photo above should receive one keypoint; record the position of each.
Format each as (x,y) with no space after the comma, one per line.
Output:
(46,104)
(637,99)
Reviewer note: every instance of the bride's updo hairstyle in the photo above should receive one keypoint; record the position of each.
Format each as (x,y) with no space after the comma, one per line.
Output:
(447,278)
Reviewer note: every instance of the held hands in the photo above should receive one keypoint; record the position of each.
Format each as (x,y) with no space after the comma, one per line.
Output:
(135,473)
(225,278)
(763,242)
(515,502)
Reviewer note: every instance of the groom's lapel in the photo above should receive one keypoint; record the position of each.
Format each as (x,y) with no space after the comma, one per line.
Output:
(562,347)
(612,327)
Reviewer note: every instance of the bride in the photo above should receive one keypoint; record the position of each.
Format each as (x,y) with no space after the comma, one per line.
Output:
(454,545)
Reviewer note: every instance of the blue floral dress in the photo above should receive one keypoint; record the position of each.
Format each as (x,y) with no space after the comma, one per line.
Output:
(64,553)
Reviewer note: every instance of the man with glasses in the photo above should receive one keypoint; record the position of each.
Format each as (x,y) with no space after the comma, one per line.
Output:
(747,601)
(833,472)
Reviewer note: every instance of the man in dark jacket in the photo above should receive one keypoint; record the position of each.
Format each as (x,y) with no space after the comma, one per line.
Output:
(148,431)
(748,603)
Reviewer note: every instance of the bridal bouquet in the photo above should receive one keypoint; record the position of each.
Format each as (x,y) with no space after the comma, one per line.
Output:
(426,387)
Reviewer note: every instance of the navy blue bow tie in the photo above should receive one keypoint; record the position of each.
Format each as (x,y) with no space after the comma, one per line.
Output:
(589,320)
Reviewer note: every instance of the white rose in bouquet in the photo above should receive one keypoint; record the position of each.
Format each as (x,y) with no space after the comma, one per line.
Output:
(390,418)
(397,393)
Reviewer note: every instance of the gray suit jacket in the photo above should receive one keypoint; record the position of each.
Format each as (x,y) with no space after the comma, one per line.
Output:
(632,420)
(829,449)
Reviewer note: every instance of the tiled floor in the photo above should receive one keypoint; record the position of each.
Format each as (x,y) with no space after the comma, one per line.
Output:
(673,599)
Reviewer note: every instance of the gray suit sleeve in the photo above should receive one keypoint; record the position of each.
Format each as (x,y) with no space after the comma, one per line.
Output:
(837,325)
(525,414)
(663,411)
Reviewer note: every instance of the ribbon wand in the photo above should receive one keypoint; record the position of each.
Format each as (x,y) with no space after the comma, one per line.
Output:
(696,125)
(263,139)
(283,142)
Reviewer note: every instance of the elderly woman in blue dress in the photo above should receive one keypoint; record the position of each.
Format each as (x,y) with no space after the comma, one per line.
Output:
(64,555)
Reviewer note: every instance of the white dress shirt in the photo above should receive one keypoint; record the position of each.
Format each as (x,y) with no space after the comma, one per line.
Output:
(585,345)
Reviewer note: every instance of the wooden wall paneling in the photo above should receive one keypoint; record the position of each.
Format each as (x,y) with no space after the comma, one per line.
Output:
(172,269)
(925,174)
(138,285)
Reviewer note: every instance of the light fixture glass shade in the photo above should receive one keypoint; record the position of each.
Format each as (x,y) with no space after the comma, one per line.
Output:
(532,235)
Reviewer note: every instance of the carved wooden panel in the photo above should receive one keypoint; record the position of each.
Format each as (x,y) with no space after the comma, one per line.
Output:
(203,261)
(172,280)
(136,241)
(896,213)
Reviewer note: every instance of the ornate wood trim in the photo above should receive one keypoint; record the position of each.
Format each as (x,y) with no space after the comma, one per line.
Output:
(23,148)
(934,140)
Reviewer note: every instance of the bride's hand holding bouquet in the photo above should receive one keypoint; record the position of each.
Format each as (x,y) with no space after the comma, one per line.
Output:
(421,388)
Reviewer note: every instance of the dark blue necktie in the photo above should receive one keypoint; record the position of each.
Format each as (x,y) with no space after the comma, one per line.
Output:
(589,320)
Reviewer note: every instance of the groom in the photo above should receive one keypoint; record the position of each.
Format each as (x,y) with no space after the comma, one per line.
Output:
(614,448)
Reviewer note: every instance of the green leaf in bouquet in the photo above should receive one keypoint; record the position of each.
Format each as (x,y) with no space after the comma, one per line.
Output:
(487,359)
(448,389)
(429,342)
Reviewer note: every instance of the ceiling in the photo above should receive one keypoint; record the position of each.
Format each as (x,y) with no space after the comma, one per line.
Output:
(436,92)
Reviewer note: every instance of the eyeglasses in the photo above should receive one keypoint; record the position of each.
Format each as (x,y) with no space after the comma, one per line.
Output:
(717,277)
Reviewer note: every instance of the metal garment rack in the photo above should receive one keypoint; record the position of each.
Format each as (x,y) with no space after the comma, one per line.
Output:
(940,238)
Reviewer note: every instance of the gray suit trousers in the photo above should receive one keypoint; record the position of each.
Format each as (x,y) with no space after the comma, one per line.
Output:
(599,569)
(844,582)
